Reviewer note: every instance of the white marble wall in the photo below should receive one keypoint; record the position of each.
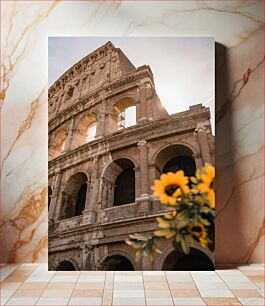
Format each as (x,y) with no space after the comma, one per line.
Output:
(238,29)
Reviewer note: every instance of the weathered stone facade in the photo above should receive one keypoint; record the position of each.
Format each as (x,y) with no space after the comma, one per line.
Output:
(100,184)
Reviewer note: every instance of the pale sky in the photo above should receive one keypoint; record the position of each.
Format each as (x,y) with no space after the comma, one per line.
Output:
(183,67)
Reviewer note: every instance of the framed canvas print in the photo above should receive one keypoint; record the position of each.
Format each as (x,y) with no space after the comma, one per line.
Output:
(131,153)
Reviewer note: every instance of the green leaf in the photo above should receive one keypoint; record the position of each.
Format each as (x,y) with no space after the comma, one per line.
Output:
(184,246)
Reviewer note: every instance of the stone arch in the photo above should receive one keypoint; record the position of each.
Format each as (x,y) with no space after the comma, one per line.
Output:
(173,157)
(118,183)
(108,261)
(56,146)
(118,111)
(68,260)
(74,195)
(85,130)
(173,260)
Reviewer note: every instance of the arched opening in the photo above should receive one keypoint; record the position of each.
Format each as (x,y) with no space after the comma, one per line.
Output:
(119,183)
(127,117)
(85,130)
(123,115)
(49,196)
(174,158)
(196,260)
(57,144)
(65,265)
(74,196)
(117,263)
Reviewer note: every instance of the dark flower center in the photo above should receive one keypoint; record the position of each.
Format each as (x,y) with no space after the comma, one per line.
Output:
(170,189)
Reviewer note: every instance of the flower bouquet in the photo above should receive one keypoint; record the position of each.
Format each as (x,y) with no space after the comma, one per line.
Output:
(189,216)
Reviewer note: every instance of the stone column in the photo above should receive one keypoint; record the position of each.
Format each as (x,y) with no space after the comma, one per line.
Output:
(89,214)
(144,167)
(203,143)
(100,132)
(198,161)
(144,198)
(54,204)
(143,103)
(68,140)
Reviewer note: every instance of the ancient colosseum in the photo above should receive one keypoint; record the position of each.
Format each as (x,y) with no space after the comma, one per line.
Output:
(101,168)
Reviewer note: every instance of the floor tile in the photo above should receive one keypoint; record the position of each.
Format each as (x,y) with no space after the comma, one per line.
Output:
(68,273)
(155,278)
(256,278)
(185,293)
(64,279)
(128,279)
(253,272)
(56,293)
(241,285)
(153,273)
(182,286)
(39,278)
(251,267)
(218,301)
(6,293)
(89,286)
(261,292)
(92,279)
(128,293)
(246,293)
(3,300)
(179,279)
(129,286)
(28,293)
(159,301)
(9,285)
(216,293)
(123,301)
(157,293)
(85,301)
(251,301)
(60,286)
(128,273)
(188,301)
(33,286)
(87,293)
(235,278)
(107,297)
(156,285)
(260,285)
(95,272)
(232,272)
(53,301)
(22,301)
(211,285)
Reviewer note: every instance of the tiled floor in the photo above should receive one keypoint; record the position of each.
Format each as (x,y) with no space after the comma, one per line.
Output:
(33,284)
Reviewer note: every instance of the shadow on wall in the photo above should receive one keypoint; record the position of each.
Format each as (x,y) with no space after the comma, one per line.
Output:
(224,158)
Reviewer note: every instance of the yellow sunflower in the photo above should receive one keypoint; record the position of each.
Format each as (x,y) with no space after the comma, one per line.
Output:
(200,234)
(169,187)
(205,180)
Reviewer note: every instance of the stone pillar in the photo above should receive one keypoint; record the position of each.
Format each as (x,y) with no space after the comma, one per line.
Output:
(203,143)
(68,140)
(144,167)
(143,103)
(144,198)
(198,161)
(89,214)
(147,264)
(55,197)
(100,132)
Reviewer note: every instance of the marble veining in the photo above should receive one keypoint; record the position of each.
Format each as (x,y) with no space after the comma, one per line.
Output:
(238,29)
